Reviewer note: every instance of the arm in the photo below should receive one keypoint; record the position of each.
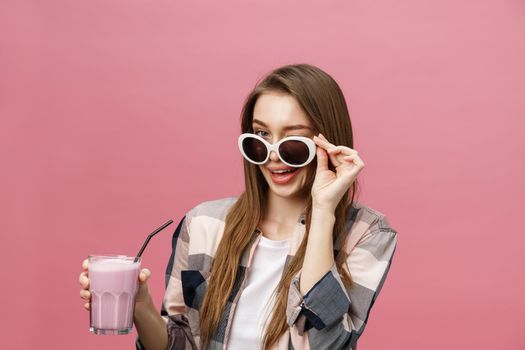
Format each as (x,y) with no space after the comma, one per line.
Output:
(174,332)
(151,327)
(319,255)
(329,316)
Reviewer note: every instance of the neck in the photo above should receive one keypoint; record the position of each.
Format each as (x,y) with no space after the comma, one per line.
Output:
(284,210)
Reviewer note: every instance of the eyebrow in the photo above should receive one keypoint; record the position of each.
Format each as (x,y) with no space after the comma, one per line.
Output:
(290,127)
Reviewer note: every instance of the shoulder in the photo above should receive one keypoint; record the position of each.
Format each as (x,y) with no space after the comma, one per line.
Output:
(204,228)
(371,231)
(363,217)
(214,208)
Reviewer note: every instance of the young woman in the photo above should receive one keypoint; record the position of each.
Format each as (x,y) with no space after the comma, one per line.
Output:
(294,262)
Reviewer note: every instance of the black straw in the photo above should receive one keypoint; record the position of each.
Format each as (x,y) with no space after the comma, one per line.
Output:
(149,237)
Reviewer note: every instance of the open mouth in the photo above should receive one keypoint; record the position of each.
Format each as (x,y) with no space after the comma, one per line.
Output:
(283,172)
(283,176)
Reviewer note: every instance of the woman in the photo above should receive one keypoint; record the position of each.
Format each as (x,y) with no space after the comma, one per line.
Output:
(276,267)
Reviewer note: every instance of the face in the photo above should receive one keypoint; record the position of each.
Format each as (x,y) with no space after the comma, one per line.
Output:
(275,116)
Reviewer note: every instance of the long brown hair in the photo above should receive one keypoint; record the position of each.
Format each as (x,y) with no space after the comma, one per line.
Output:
(322,100)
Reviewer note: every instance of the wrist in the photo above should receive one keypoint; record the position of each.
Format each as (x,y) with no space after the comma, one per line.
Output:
(322,223)
(143,306)
(324,212)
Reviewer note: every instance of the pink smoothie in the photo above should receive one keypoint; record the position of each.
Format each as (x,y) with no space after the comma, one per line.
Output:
(113,284)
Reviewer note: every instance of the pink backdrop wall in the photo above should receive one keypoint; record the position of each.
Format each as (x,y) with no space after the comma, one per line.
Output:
(117,115)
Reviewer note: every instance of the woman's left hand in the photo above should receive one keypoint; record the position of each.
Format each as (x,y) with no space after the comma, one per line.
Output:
(329,187)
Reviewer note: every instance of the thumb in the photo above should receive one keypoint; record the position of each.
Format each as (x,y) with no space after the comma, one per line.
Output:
(144,275)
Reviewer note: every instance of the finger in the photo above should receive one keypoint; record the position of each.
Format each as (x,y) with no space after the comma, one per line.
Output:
(85,294)
(335,150)
(347,150)
(355,159)
(85,264)
(84,280)
(87,306)
(344,149)
(322,159)
(350,159)
(330,149)
(333,155)
(323,143)
(144,275)
(343,156)
(323,138)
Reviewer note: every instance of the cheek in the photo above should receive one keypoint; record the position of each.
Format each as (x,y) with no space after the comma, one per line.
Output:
(309,173)
(310,169)
(304,175)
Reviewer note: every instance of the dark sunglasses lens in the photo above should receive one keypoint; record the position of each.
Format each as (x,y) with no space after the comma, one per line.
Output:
(254,149)
(294,152)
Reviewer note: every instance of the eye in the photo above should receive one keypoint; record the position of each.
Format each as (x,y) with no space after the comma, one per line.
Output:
(258,131)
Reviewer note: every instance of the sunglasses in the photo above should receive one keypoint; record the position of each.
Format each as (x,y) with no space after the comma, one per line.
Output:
(294,151)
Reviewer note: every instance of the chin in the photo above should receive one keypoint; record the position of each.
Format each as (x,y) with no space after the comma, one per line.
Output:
(285,192)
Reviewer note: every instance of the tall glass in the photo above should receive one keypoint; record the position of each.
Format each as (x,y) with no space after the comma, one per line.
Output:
(113,284)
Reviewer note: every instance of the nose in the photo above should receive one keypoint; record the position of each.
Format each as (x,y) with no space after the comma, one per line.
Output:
(273,156)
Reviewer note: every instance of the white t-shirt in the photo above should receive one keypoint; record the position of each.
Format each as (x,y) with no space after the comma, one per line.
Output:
(251,310)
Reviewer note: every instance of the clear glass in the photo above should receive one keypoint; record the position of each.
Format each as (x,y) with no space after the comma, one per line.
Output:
(113,284)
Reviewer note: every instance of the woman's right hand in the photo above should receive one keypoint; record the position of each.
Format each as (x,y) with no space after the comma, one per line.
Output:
(142,294)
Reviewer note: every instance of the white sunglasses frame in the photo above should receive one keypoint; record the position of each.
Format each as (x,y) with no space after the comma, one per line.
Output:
(275,147)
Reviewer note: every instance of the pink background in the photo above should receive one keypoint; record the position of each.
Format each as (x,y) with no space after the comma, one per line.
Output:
(118,115)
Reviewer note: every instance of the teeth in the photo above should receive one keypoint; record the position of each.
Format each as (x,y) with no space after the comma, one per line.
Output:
(282,171)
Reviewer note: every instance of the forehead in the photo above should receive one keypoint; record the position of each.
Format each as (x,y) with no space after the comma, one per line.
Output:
(278,110)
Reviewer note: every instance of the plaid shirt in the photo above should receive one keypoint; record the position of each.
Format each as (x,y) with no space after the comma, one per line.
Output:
(328,316)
